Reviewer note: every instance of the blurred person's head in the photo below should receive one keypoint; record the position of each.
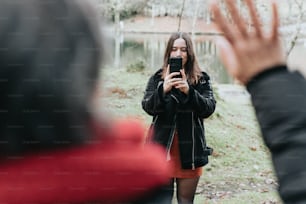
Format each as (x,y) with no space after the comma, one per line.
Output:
(50,54)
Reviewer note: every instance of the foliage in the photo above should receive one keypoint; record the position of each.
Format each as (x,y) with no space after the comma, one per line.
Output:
(291,13)
(138,66)
(125,8)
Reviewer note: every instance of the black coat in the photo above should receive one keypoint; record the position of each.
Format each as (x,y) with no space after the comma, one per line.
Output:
(279,98)
(184,113)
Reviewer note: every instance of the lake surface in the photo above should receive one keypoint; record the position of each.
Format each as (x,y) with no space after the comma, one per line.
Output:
(126,49)
(131,48)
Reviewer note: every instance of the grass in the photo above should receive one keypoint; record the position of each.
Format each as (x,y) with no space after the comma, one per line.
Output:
(239,171)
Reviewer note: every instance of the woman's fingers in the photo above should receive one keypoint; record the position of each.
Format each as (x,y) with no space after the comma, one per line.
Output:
(178,82)
(254,18)
(275,22)
(183,74)
(222,23)
(245,57)
(182,85)
(240,23)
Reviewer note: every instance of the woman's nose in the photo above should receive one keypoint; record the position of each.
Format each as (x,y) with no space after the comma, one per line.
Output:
(178,53)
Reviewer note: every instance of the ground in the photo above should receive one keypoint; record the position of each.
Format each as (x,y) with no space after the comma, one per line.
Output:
(239,170)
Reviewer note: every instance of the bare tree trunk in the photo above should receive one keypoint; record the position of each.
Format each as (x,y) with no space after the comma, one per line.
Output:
(195,17)
(290,8)
(153,15)
(117,21)
(117,51)
(298,29)
(180,17)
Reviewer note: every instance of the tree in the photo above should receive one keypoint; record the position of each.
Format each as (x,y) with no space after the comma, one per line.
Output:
(181,15)
(299,20)
(114,10)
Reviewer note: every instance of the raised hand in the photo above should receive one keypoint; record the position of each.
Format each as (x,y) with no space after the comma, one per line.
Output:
(247,53)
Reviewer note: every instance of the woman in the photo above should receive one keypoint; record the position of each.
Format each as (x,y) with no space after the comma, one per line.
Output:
(178,106)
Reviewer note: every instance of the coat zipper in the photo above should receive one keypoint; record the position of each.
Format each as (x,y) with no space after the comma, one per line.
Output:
(171,140)
(193,142)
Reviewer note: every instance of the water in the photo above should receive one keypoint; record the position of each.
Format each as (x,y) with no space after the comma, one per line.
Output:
(127,49)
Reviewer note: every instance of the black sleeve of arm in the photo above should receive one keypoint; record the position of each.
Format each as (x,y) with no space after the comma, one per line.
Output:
(202,99)
(153,100)
(279,99)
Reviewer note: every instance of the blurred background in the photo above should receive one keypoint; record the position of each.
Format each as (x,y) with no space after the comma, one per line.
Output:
(138,30)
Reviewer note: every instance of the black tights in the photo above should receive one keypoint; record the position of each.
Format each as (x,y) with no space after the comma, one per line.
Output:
(185,190)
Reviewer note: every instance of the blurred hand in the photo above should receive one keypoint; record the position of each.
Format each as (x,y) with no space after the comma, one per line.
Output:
(245,54)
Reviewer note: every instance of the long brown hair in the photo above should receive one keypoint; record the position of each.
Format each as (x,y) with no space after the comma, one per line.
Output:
(192,69)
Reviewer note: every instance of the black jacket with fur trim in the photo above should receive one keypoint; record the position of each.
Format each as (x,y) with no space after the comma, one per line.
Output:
(176,111)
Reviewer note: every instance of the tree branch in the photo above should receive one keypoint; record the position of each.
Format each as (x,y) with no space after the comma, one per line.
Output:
(180,17)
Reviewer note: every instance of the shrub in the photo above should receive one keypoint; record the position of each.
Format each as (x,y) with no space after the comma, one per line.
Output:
(138,66)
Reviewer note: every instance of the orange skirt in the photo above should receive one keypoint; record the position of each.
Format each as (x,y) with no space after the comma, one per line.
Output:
(177,171)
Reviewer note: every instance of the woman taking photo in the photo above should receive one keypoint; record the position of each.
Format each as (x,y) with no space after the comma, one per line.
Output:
(178,102)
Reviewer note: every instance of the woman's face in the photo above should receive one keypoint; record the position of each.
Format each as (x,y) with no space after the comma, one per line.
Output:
(179,49)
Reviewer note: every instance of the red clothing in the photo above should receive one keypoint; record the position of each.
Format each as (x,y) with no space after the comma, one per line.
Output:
(117,168)
(177,170)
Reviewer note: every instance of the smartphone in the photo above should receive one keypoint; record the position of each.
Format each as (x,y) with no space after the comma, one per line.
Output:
(176,65)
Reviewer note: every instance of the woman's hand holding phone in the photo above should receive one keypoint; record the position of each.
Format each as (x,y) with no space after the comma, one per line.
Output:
(182,84)
(176,80)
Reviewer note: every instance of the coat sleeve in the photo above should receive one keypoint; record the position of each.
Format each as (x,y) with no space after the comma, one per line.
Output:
(153,101)
(279,98)
(201,98)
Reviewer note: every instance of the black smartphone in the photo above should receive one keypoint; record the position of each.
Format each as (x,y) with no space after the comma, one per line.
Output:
(176,65)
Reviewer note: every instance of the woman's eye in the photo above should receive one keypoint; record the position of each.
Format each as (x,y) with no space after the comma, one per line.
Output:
(181,49)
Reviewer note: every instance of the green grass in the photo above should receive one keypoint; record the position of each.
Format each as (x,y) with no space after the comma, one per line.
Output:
(240,169)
